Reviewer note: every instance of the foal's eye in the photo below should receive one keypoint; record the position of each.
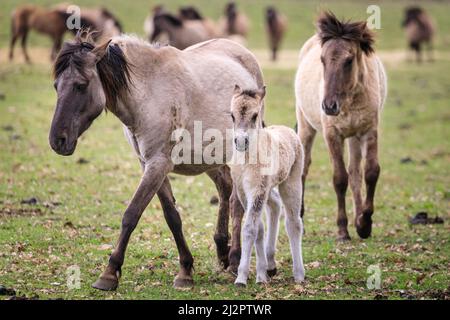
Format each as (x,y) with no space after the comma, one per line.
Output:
(255,116)
(80,87)
(232,117)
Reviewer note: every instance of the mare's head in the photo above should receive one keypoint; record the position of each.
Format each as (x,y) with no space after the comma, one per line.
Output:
(343,47)
(246,114)
(88,78)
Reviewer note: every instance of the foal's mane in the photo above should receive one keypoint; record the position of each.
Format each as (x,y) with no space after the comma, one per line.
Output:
(113,68)
(331,27)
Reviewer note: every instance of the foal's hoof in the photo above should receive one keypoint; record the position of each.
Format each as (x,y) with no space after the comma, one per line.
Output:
(364,225)
(272,273)
(106,283)
(240,285)
(181,283)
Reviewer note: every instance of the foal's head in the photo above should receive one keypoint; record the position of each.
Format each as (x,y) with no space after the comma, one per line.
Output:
(87,79)
(343,46)
(246,114)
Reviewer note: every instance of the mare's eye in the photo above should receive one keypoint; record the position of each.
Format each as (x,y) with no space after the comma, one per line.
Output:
(80,87)
(322,60)
(254,117)
(55,85)
(348,62)
(232,117)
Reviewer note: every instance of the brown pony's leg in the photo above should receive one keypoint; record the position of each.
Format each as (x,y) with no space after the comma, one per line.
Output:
(354,171)
(307,135)
(14,36)
(154,174)
(57,42)
(165,195)
(237,213)
(340,181)
(371,174)
(224,185)
(24,45)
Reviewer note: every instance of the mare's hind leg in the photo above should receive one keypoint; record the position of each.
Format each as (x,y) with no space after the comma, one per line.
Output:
(224,185)
(290,191)
(371,174)
(307,135)
(273,211)
(165,195)
(340,180)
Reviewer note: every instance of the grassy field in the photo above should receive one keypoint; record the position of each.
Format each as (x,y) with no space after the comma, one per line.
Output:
(80,199)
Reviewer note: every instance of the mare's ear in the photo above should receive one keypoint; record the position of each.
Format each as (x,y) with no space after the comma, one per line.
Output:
(237,90)
(101,50)
(261,92)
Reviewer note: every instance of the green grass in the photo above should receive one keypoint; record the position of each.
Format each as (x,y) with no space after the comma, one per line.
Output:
(38,244)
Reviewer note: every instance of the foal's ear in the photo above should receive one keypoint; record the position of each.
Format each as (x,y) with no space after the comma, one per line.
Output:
(261,92)
(101,50)
(237,90)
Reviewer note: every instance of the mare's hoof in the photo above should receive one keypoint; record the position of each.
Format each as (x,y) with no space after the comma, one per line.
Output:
(343,237)
(106,283)
(364,225)
(272,273)
(233,270)
(180,283)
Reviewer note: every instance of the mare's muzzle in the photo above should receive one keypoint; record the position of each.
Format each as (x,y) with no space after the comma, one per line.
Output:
(331,108)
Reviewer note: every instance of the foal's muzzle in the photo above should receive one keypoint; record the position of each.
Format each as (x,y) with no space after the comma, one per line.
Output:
(331,108)
(241,143)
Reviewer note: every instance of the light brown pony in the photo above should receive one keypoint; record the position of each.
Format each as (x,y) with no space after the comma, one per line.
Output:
(234,22)
(340,91)
(181,33)
(52,22)
(191,13)
(154,91)
(276,24)
(419,30)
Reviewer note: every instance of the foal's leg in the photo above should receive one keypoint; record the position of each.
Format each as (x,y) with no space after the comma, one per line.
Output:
(155,171)
(261,258)
(273,211)
(371,174)
(224,185)
(250,230)
(290,191)
(237,213)
(354,172)
(340,180)
(307,135)
(165,195)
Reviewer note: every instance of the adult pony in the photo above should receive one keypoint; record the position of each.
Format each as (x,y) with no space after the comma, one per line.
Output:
(153,91)
(52,22)
(340,90)
(419,29)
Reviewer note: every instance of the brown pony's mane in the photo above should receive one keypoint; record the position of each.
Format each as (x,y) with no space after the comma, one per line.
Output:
(113,68)
(331,27)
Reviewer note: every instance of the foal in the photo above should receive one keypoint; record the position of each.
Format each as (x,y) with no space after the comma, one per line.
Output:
(255,182)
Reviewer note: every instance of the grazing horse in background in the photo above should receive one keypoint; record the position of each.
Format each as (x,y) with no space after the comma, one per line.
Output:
(191,13)
(419,29)
(234,22)
(149,26)
(340,90)
(279,163)
(182,34)
(276,24)
(52,22)
(154,91)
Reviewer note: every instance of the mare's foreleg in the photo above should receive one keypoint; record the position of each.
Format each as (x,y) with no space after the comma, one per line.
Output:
(371,174)
(155,171)
(237,213)
(340,180)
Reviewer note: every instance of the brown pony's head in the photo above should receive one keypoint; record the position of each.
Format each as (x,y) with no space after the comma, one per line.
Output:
(87,79)
(343,46)
(164,22)
(190,13)
(246,114)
